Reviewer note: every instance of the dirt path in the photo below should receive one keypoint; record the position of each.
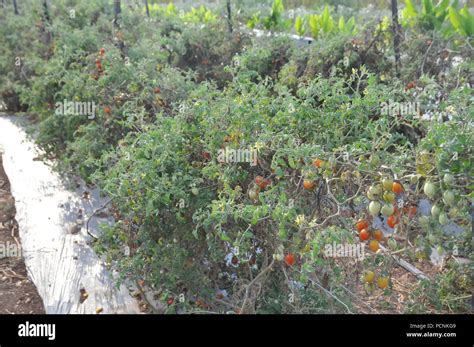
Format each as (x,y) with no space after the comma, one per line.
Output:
(18,295)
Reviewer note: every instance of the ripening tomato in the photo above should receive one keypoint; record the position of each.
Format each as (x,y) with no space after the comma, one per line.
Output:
(170,301)
(107,109)
(317,163)
(261,182)
(157,90)
(364,235)
(410,85)
(369,276)
(392,221)
(98,62)
(362,224)
(308,184)
(374,245)
(382,282)
(378,235)
(102,51)
(290,259)
(397,188)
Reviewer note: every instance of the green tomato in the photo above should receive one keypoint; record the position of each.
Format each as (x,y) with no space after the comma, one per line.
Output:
(387,210)
(435,210)
(373,190)
(370,196)
(448,179)
(389,197)
(443,218)
(453,212)
(448,197)
(253,194)
(414,179)
(392,244)
(278,257)
(429,189)
(387,183)
(195,191)
(374,208)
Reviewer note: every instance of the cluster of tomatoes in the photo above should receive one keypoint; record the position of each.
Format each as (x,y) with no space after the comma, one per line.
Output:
(260,184)
(382,281)
(377,235)
(308,184)
(382,197)
(364,235)
(444,206)
(98,62)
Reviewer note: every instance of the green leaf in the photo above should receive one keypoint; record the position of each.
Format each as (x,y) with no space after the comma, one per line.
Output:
(409,11)
(291,162)
(455,18)
(342,24)
(313,24)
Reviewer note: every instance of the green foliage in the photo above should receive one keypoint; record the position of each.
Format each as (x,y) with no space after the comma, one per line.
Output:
(462,21)
(300,26)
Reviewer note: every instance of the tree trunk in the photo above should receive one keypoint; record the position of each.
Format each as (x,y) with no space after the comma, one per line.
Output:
(46,10)
(147,8)
(229,16)
(396,36)
(15,6)
(117,11)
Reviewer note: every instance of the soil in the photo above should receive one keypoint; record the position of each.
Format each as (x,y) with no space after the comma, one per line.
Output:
(18,295)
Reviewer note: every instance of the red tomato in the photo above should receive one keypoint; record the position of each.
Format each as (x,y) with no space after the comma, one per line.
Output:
(392,221)
(364,235)
(261,182)
(107,109)
(290,259)
(362,224)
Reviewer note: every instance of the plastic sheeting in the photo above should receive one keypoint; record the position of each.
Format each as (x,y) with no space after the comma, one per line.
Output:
(58,257)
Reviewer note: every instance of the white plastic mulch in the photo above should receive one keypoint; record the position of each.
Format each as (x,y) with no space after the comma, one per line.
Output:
(59,262)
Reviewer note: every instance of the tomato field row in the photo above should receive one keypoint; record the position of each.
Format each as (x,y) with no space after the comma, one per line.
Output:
(243,168)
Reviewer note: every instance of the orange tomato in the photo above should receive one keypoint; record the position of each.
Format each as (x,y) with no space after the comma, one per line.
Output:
(397,188)
(374,245)
(308,184)
(378,235)
(317,163)
(107,109)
